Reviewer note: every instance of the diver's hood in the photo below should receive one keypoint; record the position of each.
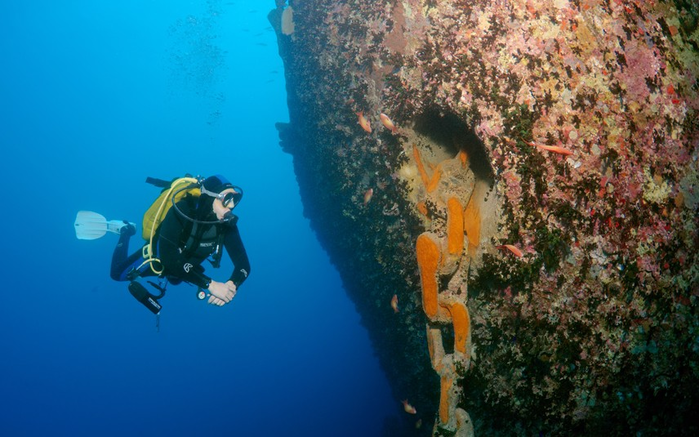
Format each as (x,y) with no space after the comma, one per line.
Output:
(216,184)
(205,208)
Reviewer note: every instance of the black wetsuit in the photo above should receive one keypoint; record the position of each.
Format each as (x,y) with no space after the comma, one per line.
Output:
(182,245)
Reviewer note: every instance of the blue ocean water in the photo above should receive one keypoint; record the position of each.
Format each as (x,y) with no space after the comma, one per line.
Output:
(95,97)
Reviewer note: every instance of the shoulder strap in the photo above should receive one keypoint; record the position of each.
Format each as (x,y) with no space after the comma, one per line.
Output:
(216,256)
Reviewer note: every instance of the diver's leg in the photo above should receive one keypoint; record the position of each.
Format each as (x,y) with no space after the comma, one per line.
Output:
(121,262)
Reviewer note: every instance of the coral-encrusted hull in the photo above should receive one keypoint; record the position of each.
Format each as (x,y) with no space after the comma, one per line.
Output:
(562,131)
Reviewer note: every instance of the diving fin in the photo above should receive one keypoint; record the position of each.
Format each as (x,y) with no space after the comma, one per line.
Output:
(91,225)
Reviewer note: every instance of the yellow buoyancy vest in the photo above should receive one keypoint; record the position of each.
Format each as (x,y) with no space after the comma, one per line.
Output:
(158,210)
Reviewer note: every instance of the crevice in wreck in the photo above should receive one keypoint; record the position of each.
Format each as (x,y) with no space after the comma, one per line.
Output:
(452,135)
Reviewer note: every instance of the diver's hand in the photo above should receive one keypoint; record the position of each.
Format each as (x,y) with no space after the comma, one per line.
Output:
(232,288)
(213,300)
(221,292)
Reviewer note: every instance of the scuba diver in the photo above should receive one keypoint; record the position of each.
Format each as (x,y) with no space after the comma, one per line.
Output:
(198,224)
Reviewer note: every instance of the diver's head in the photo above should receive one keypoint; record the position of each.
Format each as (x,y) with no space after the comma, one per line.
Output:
(220,194)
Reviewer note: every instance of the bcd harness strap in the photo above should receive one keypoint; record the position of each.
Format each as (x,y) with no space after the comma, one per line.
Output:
(194,238)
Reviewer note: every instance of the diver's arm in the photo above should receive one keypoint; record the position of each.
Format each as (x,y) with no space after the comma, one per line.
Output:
(236,251)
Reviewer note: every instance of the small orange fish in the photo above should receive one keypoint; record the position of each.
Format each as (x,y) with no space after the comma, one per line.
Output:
(554,149)
(408,408)
(518,253)
(363,122)
(394,303)
(367,196)
(387,122)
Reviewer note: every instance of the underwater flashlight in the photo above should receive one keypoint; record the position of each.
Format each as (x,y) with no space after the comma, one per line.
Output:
(142,295)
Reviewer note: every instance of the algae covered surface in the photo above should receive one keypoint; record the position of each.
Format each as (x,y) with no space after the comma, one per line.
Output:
(522,175)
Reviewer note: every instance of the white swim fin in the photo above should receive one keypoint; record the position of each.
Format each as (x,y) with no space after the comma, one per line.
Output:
(91,225)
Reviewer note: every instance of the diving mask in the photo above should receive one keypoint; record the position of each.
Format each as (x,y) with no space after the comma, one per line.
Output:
(228,199)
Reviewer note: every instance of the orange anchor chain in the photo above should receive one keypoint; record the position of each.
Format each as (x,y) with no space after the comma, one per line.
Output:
(439,257)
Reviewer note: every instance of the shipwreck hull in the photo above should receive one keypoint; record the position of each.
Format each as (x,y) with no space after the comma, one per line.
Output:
(534,209)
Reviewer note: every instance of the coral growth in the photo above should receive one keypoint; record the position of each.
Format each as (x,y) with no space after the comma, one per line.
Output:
(455,227)
(462,328)
(472,225)
(288,21)
(428,259)
(430,182)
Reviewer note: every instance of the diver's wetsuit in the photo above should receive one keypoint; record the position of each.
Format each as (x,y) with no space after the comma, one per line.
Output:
(182,246)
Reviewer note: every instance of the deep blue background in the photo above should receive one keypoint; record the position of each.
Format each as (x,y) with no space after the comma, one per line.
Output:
(94,97)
